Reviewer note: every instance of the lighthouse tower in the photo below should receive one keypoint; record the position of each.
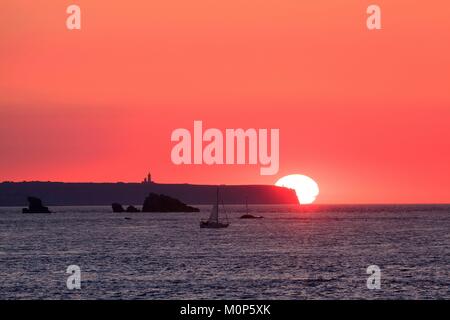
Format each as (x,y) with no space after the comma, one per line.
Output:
(148,179)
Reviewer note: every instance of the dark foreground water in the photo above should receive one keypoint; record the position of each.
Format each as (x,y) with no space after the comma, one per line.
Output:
(313,253)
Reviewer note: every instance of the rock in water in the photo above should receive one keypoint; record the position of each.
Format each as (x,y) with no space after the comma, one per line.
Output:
(163,203)
(35,206)
(117,207)
(132,209)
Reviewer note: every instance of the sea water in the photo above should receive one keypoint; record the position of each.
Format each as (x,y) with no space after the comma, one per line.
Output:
(318,252)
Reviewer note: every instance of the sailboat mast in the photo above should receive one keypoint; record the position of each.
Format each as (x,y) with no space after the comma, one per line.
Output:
(217,197)
(217,203)
(246,205)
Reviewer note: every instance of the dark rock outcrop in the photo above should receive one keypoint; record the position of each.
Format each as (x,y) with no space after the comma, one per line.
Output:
(132,209)
(35,206)
(163,203)
(117,207)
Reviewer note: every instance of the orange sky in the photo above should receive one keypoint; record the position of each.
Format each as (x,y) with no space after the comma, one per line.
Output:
(364,113)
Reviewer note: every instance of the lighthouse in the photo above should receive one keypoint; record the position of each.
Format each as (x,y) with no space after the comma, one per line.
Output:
(148,179)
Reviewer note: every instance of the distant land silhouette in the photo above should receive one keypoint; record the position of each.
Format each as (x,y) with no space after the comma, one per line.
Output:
(76,194)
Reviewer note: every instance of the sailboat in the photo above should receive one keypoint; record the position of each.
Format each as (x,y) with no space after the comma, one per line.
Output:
(248,215)
(213,220)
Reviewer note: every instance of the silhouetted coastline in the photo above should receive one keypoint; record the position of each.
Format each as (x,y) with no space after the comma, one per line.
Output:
(68,194)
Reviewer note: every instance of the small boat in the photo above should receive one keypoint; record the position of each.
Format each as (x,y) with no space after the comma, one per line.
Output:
(213,220)
(249,216)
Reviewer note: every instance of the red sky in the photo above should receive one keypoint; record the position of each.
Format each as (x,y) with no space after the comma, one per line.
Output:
(364,113)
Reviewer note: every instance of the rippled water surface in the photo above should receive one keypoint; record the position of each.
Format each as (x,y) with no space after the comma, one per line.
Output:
(313,253)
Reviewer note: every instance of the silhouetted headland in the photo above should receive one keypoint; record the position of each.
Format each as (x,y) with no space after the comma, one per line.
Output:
(78,194)
(35,206)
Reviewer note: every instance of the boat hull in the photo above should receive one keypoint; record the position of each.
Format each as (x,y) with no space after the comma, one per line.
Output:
(249,216)
(213,225)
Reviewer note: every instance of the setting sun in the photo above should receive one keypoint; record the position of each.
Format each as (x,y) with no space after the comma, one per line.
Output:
(306,188)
